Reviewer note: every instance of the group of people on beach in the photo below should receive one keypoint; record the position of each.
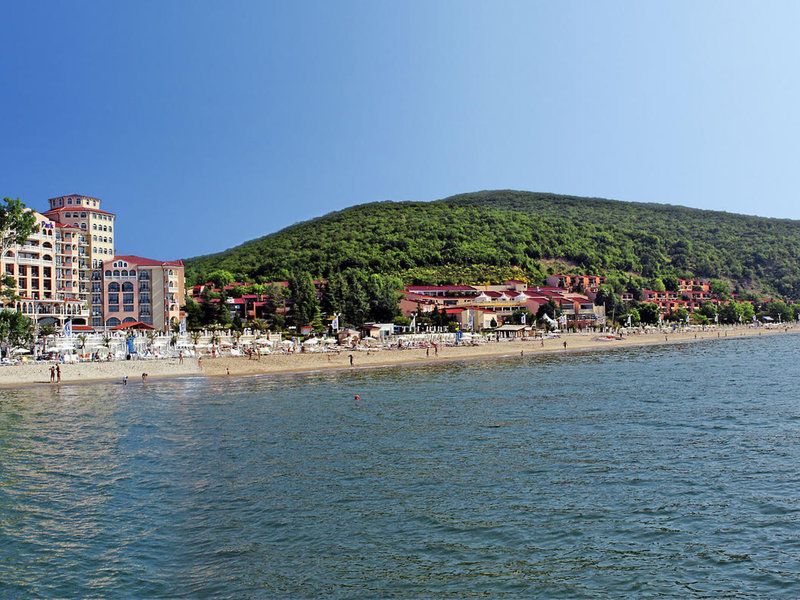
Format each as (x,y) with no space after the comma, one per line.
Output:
(55,373)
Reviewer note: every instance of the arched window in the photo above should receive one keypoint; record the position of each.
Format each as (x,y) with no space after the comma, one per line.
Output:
(116,273)
(124,272)
(144,275)
(129,320)
(127,286)
(133,273)
(113,286)
(47,257)
(47,245)
(112,322)
(108,272)
(9,254)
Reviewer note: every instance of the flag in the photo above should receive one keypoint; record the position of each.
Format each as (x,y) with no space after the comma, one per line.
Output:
(523,319)
(629,320)
(182,329)
(335,323)
(716,318)
(413,322)
(68,329)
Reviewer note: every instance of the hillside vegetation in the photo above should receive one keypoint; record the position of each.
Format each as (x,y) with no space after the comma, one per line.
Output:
(488,236)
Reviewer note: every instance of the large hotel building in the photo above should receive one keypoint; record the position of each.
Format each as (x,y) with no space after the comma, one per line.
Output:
(68,270)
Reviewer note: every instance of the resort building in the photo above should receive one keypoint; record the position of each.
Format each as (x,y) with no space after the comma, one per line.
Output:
(64,271)
(141,289)
(45,270)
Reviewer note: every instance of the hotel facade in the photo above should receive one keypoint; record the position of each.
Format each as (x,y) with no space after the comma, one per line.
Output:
(68,271)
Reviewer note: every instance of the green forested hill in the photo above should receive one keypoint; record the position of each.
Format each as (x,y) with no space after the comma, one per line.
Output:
(483,235)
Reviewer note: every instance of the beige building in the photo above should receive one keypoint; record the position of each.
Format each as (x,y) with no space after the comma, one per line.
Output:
(142,289)
(83,213)
(45,271)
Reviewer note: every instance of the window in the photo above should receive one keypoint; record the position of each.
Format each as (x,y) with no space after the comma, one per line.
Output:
(124,272)
(116,273)
(97,321)
(83,225)
(144,309)
(112,322)
(127,308)
(132,273)
(97,287)
(97,298)
(113,286)
(69,200)
(94,238)
(113,298)
(83,215)
(108,272)
(127,286)
(127,298)
(94,226)
(144,275)
(144,298)
(113,308)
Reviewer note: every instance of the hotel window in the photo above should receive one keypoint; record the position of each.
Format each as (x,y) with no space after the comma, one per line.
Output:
(97,299)
(127,286)
(127,298)
(9,269)
(69,200)
(113,286)
(116,272)
(97,321)
(94,226)
(113,298)
(83,215)
(108,273)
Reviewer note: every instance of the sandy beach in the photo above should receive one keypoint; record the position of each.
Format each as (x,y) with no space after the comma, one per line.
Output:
(33,374)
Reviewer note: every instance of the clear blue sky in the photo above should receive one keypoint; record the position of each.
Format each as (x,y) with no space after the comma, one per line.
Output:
(205,124)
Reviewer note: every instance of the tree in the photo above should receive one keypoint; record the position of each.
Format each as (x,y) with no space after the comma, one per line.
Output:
(16,330)
(671,283)
(16,223)
(220,278)
(657,285)
(720,289)
(45,331)
(305,306)
(648,313)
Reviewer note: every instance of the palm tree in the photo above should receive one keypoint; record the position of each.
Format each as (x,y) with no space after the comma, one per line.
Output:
(195,335)
(45,331)
(82,341)
(151,338)
(106,341)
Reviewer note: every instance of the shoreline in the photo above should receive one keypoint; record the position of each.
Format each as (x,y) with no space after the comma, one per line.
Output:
(290,364)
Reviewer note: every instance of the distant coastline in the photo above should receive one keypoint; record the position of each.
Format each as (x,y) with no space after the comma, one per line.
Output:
(38,374)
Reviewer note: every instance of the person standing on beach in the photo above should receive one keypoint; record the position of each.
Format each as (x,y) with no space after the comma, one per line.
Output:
(58,373)
(351,360)
(180,357)
(52,374)
(565,344)
(199,362)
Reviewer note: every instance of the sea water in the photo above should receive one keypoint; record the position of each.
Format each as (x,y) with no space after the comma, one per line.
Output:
(658,472)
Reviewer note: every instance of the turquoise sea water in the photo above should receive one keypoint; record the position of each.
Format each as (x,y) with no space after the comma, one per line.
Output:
(662,472)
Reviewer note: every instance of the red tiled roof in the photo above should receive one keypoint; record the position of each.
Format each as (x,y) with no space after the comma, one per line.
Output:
(147,262)
(441,288)
(134,325)
(78,208)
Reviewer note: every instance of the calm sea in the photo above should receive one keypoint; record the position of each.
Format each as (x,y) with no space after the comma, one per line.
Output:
(668,472)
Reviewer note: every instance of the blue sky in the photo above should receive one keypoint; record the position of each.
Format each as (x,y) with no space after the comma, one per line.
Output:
(205,124)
